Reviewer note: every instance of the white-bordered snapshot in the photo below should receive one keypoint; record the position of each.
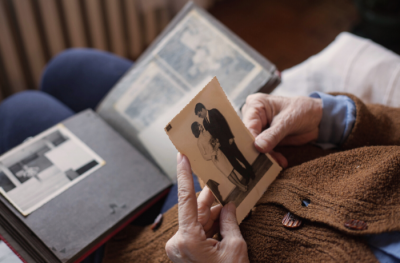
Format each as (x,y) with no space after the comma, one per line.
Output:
(44,166)
(7,255)
(221,150)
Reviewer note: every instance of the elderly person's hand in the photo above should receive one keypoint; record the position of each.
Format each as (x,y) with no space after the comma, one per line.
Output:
(289,121)
(198,222)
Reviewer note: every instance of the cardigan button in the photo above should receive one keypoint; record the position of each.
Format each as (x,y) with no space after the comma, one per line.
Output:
(291,221)
(355,224)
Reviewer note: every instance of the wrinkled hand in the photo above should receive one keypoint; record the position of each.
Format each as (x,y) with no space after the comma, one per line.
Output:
(198,222)
(290,121)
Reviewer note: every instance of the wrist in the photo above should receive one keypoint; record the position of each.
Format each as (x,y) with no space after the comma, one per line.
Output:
(317,113)
(317,108)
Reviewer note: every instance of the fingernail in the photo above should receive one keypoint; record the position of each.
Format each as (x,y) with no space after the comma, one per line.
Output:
(179,158)
(260,143)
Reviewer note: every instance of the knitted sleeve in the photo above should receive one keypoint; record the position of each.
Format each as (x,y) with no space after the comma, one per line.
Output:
(375,125)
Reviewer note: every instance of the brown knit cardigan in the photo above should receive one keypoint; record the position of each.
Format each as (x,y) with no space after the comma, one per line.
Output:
(361,180)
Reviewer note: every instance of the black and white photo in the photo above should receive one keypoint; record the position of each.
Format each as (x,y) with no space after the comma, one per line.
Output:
(216,143)
(221,150)
(7,255)
(44,166)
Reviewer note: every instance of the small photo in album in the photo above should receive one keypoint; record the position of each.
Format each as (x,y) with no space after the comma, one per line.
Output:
(7,255)
(221,150)
(44,166)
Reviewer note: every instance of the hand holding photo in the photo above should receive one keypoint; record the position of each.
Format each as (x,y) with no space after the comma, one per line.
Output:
(221,150)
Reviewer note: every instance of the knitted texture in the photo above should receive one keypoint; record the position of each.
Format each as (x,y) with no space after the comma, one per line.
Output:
(141,244)
(360,180)
(269,241)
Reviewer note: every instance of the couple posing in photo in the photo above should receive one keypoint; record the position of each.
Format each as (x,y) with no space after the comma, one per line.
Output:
(216,143)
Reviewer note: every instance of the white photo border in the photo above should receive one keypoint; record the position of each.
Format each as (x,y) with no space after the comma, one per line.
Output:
(65,131)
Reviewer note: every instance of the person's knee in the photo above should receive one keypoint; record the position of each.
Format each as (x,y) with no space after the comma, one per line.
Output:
(26,114)
(64,66)
(73,57)
(72,62)
(77,68)
(28,101)
(33,106)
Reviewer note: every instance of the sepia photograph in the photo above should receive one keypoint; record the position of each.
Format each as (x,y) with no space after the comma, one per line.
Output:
(221,149)
(44,166)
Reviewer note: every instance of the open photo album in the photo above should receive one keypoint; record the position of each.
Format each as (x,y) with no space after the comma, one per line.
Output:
(69,189)
(193,49)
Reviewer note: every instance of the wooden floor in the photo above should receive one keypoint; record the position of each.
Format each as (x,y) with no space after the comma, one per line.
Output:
(287,31)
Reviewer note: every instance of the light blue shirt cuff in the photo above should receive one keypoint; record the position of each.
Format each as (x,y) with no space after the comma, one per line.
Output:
(338,118)
(386,246)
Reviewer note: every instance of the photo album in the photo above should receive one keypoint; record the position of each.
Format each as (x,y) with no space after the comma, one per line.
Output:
(69,189)
(193,49)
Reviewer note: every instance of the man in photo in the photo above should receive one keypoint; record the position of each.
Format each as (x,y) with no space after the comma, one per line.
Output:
(215,123)
(209,148)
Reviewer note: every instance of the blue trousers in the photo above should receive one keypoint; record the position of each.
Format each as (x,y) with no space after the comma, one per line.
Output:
(73,81)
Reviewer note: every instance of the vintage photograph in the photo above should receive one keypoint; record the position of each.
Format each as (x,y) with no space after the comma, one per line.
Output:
(193,53)
(221,149)
(216,143)
(153,85)
(197,51)
(7,255)
(44,166)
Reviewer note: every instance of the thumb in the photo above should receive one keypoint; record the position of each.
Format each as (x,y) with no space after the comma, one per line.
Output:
(228,223)
(270,138)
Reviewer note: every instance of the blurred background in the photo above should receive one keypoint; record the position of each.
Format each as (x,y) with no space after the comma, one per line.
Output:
(285,31)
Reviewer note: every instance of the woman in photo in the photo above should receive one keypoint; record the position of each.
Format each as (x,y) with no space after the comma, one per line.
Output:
(209,149)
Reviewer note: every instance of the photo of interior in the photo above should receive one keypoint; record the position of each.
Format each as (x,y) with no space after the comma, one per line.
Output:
(42,168)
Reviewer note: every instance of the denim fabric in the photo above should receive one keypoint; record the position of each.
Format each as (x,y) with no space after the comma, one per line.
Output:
(80,78)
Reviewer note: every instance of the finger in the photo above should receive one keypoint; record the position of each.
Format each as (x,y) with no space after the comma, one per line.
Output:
(213,230)
(213,216)
(268,139)
(244,107)
(228,223)
(204,203)
(172,250)
(300,139)
(253,122)
(279,158)
(187,203)
(255,117)
(215,212)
